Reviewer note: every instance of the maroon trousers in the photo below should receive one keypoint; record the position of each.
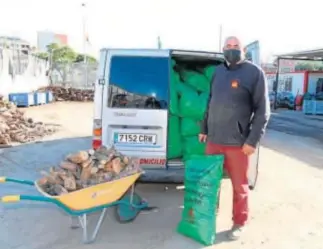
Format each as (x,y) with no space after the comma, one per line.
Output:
(236,166)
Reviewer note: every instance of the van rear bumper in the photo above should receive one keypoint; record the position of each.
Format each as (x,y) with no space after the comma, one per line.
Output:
(162,175)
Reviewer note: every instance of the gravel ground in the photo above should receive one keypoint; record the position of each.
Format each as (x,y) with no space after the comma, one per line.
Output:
(286,207)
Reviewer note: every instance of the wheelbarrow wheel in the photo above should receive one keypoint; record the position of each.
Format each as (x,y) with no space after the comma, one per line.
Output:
(126,213)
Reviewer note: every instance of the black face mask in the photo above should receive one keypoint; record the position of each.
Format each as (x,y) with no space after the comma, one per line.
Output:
(232,55)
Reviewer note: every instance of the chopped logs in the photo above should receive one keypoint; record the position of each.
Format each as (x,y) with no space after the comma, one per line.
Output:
(15,127)
(70,94)
(87,168)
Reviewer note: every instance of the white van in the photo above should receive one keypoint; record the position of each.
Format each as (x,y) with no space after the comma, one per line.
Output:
(131,107)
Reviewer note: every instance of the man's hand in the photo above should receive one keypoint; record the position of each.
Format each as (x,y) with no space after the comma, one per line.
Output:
(202,138)
(248,149)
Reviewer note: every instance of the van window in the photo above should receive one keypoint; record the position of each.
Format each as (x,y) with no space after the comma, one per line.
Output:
(138,82)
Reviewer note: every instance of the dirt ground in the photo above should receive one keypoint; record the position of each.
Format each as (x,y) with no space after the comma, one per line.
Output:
(285,208)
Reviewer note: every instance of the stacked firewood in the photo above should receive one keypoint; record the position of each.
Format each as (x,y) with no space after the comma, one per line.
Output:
(70,94)
(87,168)
(15,127)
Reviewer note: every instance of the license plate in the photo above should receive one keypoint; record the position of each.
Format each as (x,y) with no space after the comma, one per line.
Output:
(130,138)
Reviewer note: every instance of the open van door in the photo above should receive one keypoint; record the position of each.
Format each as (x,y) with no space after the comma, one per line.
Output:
(253,54)
(134,104)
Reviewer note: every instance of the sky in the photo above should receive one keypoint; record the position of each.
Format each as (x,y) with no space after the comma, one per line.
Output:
(280,26)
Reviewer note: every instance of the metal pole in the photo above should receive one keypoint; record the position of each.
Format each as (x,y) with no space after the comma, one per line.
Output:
(220,38)
(276,84)
(159,44)
(84,44)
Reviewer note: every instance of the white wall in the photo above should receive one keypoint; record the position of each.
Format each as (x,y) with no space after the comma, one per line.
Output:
(297,82)
(270,80)
(312,79)
(30,79)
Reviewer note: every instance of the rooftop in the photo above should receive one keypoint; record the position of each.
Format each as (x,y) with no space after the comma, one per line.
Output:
(307,55)
(13,38)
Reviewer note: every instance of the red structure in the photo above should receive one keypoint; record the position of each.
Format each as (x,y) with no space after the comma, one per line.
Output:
(61,39)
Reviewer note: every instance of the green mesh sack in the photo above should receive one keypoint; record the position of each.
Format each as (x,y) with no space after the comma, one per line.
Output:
(182,88)
(174,81)
(193,105)
(196,80)
(209,72)
(174,143)
(192,146)
(190,127)
(203,176)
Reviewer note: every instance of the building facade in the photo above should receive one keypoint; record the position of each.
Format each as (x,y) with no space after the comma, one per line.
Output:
(297,82)
(14,43)
(44,38)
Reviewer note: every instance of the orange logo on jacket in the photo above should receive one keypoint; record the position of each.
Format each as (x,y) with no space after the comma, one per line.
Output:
(234,84)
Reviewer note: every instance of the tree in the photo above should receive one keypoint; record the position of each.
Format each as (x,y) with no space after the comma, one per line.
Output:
(309,66)
(61,59)
(42,55)
(89,58)
(63,54)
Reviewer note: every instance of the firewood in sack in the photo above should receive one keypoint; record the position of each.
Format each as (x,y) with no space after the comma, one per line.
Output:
(78,157)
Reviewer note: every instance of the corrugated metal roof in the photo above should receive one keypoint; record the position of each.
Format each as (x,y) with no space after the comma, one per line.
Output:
(315,55)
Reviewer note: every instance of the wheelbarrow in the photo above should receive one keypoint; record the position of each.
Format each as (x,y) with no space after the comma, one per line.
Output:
(79,204)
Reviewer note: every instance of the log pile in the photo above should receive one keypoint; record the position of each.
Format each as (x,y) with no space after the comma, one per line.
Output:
(87,168)
(15,127)
(70,94)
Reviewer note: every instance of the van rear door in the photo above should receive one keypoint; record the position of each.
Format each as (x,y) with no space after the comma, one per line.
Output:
(135,103)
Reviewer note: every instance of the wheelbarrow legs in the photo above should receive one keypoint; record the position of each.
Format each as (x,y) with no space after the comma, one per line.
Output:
(83,223)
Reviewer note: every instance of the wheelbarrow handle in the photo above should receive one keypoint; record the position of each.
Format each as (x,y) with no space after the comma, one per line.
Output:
(8,179)
(17,198)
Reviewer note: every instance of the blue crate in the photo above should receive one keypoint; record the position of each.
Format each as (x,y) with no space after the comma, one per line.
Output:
(319,107)
(309,107)
(49,97)
(40,98)
(22,99)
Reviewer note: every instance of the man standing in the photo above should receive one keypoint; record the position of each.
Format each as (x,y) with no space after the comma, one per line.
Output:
(237,115)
